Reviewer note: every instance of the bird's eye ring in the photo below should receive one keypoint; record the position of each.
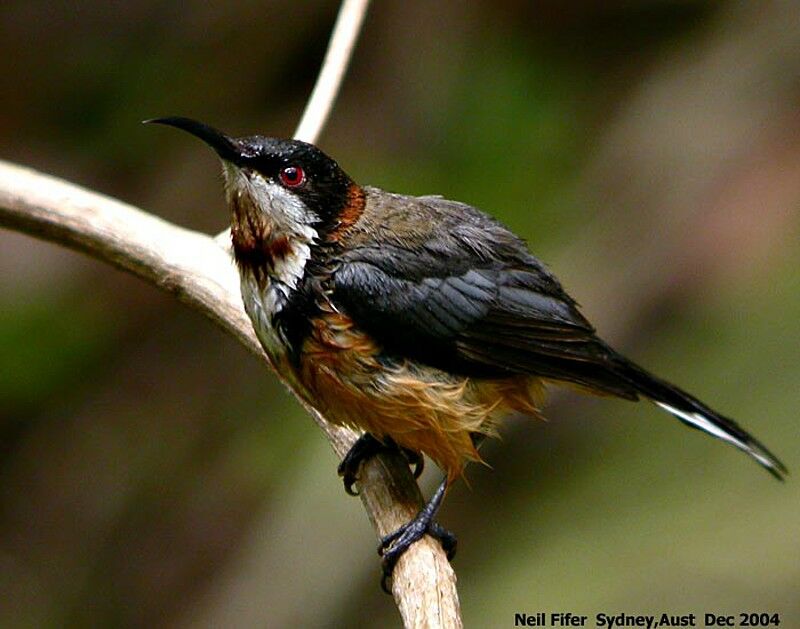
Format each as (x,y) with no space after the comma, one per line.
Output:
(292,176)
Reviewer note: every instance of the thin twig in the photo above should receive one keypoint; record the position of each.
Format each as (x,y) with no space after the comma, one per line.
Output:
(337,58)
(199,272)
(329,81)
(198,269)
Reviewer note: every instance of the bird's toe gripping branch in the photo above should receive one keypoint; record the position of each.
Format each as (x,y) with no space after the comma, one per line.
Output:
(366,447)
(395,544)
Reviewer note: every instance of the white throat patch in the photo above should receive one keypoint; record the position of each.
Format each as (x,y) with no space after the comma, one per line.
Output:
(289,222)
(286,214)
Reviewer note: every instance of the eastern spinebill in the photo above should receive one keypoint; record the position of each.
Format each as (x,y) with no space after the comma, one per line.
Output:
(420,321)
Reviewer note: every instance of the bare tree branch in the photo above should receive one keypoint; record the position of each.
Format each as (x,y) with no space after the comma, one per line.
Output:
(340,50)
(193,267)
(199,270)
(334,66)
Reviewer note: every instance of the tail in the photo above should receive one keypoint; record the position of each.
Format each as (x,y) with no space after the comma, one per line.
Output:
(695,414)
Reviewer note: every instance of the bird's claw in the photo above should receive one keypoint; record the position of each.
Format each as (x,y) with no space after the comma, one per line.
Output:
(366,447)
(415,460)
(395,544)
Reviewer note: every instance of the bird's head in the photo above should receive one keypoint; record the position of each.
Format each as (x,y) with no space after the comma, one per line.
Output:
(278,191)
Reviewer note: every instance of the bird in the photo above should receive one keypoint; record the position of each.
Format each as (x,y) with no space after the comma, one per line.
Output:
(419,321)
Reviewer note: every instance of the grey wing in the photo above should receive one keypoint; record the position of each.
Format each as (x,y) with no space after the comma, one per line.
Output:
(470,299)
(464,295)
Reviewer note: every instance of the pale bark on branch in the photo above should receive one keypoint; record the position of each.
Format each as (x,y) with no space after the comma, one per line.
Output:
(193,267)
(337,58)
(199,270)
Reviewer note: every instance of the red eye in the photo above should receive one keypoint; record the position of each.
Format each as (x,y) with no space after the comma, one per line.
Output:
(292,176)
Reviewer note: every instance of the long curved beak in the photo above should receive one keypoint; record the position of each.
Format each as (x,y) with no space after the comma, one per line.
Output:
(226,147)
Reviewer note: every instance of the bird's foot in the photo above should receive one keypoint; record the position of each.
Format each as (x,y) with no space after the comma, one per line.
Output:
(395,544)
(365,448)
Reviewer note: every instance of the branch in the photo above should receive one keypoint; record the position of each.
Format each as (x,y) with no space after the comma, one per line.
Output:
(334,66)
(337,58)
(199,270)
(194,268)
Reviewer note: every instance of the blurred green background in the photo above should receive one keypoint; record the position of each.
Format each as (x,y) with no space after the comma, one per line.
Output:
(152,473)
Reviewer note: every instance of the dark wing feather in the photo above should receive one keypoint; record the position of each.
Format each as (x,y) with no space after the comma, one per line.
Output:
(468,297)
(461,293)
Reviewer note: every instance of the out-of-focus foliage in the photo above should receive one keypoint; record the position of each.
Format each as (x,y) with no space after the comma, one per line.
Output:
(154,474)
